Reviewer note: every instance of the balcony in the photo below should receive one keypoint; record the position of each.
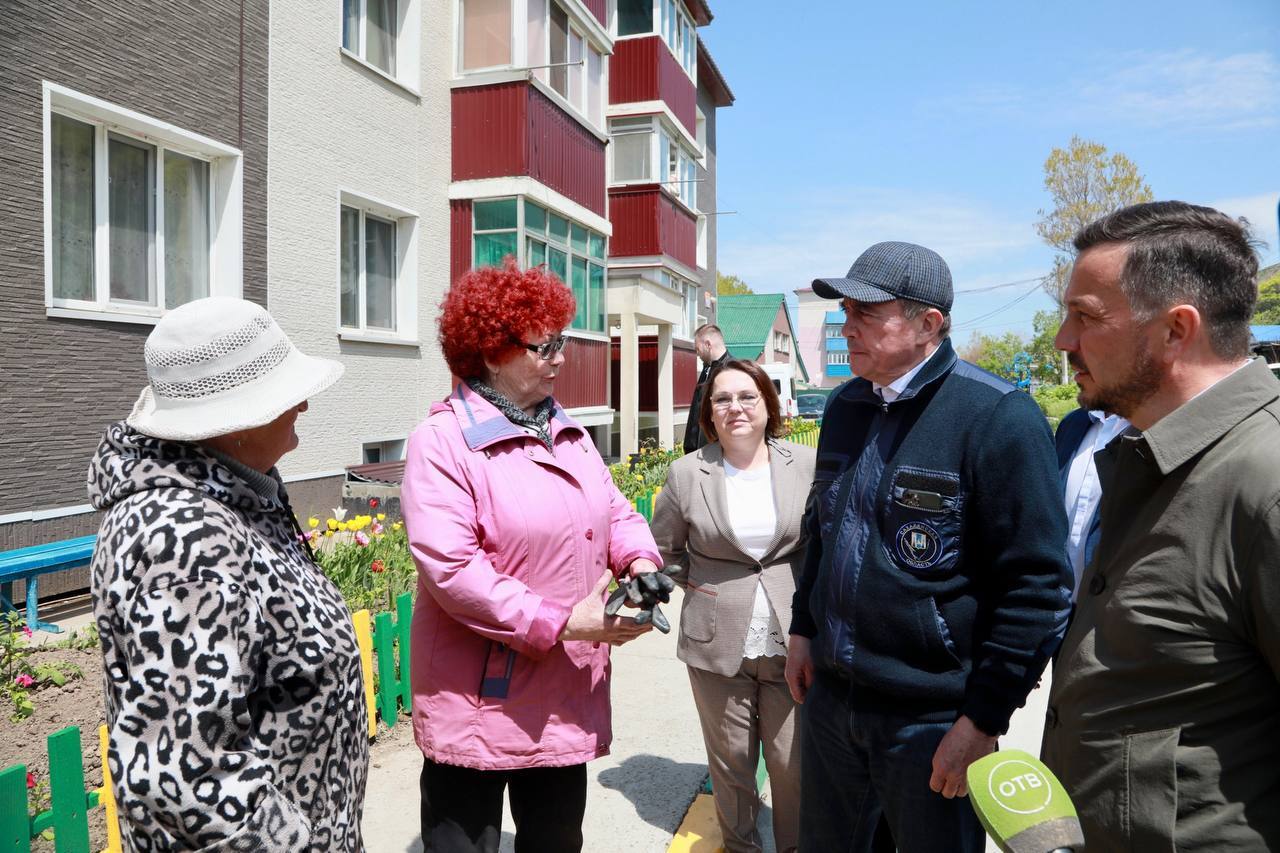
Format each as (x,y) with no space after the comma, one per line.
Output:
(512,129)
(643,70)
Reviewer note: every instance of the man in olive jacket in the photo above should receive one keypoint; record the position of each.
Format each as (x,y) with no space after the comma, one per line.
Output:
(1165,706)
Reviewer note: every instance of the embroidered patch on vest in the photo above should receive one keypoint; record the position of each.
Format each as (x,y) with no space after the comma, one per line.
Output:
(918,545)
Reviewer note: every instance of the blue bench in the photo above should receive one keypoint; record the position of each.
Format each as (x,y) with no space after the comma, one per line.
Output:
(27,564)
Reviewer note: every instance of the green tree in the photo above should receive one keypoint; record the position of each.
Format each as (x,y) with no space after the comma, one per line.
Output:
(1267,311)
(994,354)
(731,285)
(1084,184)
(998,354)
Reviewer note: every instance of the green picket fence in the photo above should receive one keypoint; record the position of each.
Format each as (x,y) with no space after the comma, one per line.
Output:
(70,803)
(391,635)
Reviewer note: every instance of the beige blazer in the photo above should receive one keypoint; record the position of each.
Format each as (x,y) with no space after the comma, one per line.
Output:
(691,526)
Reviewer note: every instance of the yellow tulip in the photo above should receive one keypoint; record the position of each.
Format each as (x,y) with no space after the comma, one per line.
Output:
(313,522)
(382,516)
(328,533)
(344,526)
(333,525)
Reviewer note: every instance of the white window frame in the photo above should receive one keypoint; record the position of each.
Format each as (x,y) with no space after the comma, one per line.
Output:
(522,250)
(582,24)
(406,307)
(408,40)
(834,331)
(226,201)
(396,445)
(685,29)
(685,188)
(834,358)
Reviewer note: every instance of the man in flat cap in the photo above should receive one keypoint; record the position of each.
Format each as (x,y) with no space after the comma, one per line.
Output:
(936,584)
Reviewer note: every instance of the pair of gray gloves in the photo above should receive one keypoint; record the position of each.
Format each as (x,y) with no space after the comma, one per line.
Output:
(646,592)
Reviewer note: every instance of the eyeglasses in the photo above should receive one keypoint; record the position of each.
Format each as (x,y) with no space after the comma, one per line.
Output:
(748,401)
(545,351)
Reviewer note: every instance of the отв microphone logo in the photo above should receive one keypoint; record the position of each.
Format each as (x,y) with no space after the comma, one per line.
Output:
(1019,787)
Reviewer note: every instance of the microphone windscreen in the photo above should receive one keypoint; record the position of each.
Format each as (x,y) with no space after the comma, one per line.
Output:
(1022,805)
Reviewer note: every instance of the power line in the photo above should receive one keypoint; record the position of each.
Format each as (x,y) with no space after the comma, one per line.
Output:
(968,324)
(999,286)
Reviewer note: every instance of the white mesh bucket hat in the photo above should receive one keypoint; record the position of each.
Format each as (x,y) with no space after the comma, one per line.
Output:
(220,365)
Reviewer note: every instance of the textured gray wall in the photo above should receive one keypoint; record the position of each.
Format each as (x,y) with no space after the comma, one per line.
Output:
(64,380)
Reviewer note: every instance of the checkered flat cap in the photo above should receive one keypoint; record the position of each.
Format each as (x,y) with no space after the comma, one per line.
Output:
(893,270)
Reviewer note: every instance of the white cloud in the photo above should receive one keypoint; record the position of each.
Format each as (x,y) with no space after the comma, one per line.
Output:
(1185,88)
(779,253)
(1178,89)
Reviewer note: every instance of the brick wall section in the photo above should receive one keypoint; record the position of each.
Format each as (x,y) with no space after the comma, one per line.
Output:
(179,62)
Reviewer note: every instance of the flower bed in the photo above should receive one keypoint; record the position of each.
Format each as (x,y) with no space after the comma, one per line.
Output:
(367,560)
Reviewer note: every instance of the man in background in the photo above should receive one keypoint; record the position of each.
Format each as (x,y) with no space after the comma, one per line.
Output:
(708,343)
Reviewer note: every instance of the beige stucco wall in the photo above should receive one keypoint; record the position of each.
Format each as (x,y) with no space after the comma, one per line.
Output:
(338,125)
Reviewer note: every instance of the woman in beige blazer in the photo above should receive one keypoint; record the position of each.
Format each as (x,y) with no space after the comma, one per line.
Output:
(730,517)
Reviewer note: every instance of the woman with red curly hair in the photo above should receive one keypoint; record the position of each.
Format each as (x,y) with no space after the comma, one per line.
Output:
(517,529)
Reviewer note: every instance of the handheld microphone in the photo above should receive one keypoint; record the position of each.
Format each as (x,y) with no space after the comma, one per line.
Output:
(1022,806)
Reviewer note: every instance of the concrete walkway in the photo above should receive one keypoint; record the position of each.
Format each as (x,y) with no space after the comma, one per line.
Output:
(637,797)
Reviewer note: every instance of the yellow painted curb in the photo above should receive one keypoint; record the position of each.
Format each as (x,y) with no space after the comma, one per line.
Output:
(700,831)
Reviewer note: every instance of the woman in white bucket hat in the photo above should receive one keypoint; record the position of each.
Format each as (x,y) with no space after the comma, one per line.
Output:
(233,684)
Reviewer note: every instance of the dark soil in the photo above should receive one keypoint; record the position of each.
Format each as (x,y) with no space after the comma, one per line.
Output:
(76,703)
(79,703)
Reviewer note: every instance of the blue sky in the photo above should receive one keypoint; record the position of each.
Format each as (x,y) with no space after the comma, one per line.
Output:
(930,121)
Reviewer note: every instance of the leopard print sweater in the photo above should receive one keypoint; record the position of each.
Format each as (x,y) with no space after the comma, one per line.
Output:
(233,683)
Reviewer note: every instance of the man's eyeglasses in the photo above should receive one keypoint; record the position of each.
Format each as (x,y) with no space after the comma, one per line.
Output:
(748,401)
(546,351)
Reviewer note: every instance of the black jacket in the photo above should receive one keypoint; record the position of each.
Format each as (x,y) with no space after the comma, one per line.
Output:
(936,579)
(694,440)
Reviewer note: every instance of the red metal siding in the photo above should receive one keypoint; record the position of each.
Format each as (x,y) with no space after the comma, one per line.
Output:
(646,221)
(677,90)
(584,378)
(678,231)
(599,8)
(511,129)
(644,70)
(564,155)
(648,372)
(459,238)
(685,374)
(488,131)
(634,214)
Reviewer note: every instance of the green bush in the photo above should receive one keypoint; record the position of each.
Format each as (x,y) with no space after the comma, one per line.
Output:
(1056,400)
(648,472)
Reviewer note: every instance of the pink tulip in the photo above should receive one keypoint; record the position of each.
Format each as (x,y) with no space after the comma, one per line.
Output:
(24,680)
(362,538)
(27,632)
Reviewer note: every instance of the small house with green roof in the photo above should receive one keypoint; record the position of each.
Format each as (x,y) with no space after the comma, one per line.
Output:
(757,327)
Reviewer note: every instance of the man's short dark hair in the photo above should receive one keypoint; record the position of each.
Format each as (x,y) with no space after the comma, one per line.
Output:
(912,309)
(708,330)
(1183,253)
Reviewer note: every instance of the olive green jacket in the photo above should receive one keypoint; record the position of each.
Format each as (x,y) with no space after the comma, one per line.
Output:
(1164,715)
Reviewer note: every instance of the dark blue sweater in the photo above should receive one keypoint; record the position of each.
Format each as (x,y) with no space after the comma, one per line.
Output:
(936,580)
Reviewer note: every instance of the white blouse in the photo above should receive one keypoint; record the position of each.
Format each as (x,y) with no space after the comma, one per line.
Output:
(754,520)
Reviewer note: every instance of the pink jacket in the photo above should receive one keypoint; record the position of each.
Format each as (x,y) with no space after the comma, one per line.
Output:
(507,538)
